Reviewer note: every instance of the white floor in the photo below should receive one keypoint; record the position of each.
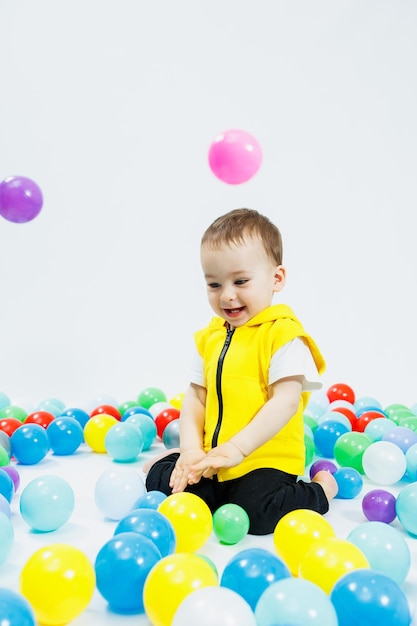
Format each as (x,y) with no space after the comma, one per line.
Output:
(88,530)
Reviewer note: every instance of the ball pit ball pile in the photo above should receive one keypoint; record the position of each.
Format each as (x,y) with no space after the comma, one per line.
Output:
(167,560)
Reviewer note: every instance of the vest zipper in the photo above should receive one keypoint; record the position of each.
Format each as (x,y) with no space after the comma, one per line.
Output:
(229,334)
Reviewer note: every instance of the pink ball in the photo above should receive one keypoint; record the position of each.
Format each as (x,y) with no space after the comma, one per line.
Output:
(235,156)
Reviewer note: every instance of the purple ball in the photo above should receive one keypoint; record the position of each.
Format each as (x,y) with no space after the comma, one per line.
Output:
(20,199)
(322,464)
(14,475)
(378,505)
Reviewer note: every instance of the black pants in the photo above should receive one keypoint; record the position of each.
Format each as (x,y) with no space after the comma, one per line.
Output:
(265,494)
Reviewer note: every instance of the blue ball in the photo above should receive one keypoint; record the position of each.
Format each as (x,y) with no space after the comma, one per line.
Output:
(30,444)
(150,500)
(15,610)
(349,481)
(122,566)
(79,414)
(326,435)
(151,524)
(135,410)
(251,571)
(6,485)
(65,435)
(365,596)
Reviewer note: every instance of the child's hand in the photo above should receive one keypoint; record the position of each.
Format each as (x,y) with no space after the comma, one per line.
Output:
(179,476)
(225,455)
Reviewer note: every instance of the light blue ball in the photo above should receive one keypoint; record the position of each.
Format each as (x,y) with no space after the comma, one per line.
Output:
(146,425)
(124,442)
(411,461)
(334,416)
(6,537)
(366,403)
(385,548)
(377,428)
(4,400)
(47,503)
(406,507)
(295,601)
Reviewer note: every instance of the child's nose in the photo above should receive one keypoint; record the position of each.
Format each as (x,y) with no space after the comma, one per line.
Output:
(228,293)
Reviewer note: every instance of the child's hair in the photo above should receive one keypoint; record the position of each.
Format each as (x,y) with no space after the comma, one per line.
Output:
(232,227)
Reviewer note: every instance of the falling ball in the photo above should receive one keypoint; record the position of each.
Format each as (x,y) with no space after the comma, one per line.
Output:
(235,156)
(20,199)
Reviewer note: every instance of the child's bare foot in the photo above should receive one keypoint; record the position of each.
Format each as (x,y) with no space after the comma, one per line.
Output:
(328,482)
(147,466)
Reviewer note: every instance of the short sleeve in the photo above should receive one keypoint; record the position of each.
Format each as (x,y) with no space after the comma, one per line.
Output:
(196,373)
(295,359)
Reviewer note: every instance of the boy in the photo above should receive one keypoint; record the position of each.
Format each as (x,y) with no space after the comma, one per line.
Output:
(241,423)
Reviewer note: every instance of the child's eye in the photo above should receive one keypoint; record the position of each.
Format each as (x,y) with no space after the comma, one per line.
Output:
(213,285)
(241,281)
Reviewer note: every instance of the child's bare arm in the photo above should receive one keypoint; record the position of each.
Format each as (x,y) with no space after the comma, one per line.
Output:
(276,412)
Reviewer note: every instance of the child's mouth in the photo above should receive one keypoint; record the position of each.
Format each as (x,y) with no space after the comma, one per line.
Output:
(234,312)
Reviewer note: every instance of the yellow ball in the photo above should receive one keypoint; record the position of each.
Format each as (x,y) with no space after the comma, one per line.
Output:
(191,519)
(176,401)
(96,429)
(170,581)
(296,532)
(58,581)
(330,559)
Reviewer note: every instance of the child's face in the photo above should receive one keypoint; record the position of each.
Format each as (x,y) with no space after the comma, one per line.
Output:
(241,279)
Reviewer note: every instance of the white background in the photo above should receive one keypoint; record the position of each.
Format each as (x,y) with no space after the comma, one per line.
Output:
(111,108)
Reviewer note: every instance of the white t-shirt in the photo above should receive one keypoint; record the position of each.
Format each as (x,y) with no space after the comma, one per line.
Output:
(293,359)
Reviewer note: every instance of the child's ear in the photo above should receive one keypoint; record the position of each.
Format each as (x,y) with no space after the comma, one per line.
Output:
(280,278)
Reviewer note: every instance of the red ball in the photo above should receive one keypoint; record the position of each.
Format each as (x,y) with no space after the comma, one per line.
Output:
(164,418)
(9,424)
(347,413)
(107,409)
(364,419)
(341,391)
(43,418)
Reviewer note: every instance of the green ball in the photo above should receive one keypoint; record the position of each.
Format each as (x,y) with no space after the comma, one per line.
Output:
(13,411)
(4,457)
(150,396)
(310,449)
(230,523)
(310,422)
(126,405)
(349,448)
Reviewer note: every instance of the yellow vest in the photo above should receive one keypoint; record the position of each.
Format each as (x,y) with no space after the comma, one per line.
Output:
(236,364)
